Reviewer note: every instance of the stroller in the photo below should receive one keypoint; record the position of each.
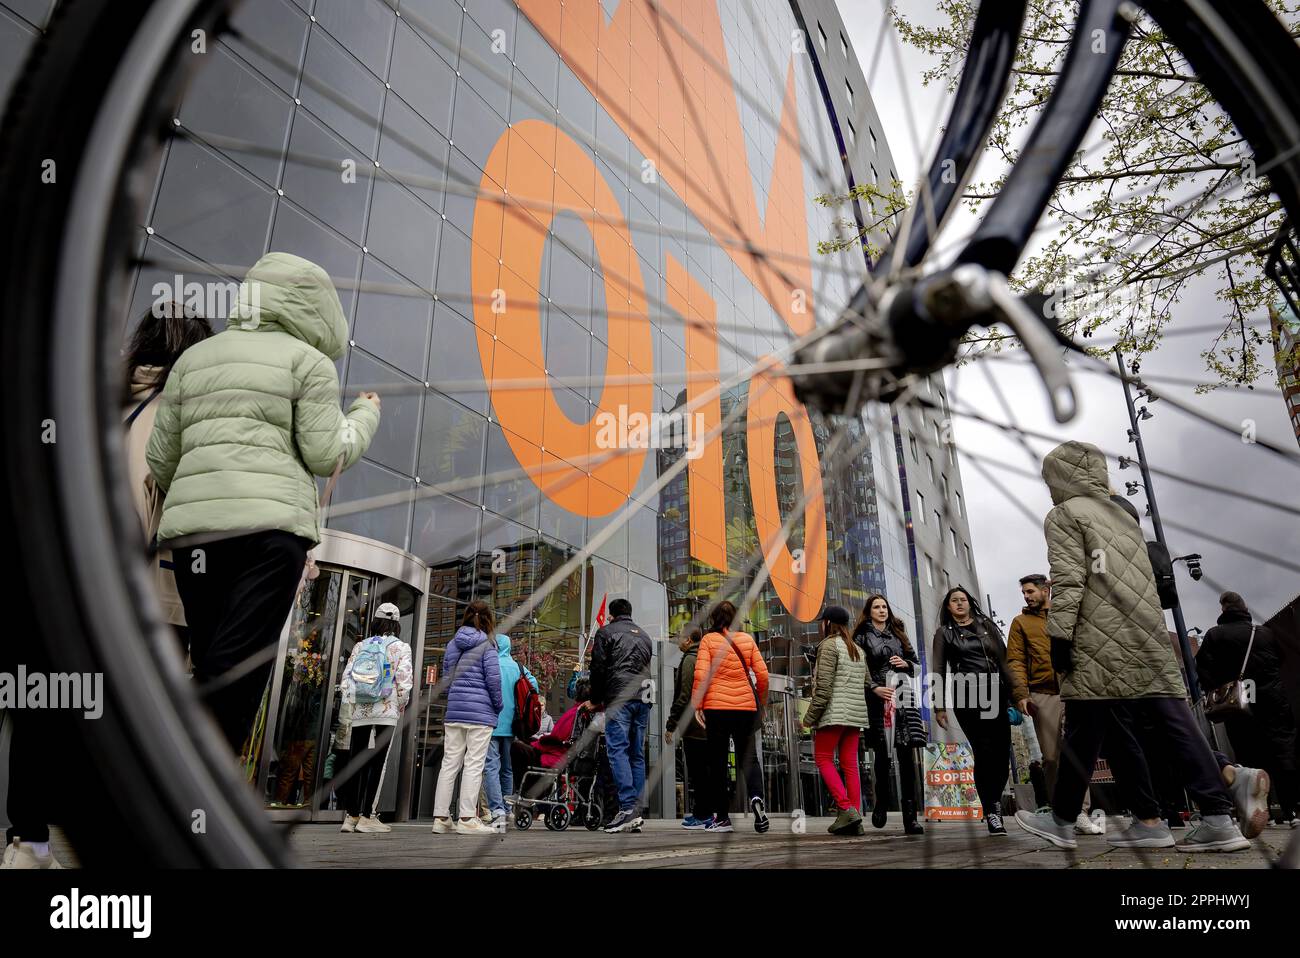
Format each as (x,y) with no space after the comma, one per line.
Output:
(565,792)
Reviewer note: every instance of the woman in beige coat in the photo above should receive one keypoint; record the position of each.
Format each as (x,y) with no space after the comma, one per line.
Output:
(164,332)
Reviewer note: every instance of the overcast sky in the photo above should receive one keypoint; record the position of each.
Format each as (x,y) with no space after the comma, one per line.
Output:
(1005,542)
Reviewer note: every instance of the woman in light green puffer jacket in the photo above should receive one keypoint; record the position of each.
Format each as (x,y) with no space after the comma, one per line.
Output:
(838,711)
(247,420)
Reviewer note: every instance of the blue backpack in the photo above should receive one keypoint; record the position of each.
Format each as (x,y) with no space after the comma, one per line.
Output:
(372,673)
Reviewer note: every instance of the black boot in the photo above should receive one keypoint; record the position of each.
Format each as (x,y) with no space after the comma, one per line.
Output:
(910,825)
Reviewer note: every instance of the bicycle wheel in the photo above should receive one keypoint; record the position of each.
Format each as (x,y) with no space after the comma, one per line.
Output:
(98,98)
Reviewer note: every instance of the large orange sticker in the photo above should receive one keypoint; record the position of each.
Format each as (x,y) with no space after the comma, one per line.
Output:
(548,173)
(799,576)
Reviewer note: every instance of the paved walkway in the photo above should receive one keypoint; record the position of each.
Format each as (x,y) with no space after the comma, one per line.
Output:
(665,845)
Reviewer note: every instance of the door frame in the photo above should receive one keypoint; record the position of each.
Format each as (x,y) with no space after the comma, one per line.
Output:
(369,559)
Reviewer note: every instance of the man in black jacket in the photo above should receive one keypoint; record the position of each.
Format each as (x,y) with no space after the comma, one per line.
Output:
(620,683)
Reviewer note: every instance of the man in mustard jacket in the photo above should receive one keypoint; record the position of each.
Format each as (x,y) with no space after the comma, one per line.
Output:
(1036,691)
(247,420)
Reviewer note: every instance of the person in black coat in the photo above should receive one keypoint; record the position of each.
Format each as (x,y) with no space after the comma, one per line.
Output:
(884,639)
(1266,738)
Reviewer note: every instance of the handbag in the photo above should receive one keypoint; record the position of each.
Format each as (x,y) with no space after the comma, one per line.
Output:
(749,673)
(1229,699)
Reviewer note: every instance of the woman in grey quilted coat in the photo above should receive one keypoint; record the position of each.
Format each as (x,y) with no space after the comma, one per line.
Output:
(1111,650)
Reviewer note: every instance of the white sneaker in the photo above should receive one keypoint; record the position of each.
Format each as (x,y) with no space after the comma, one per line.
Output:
(349,823)
(372,826)
(1249,790)
(474,826)
(18,855)
(1083,825)
(441,826)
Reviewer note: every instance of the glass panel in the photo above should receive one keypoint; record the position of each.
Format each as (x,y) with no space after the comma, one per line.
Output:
(439,24)
(476,126)
(277,27)
(321,187)
(394,325)
(454,358)
(492,81)
(304,678)
(340,91)
(386,522)
(400,420)
(451,447)
(446,537)
(536,59)
(514,496)
(211,208)
(422,78)
(361,26)
(409,147)
(227,99)
(403,232)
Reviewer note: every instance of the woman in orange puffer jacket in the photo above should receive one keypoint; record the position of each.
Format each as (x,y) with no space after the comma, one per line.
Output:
(730,687)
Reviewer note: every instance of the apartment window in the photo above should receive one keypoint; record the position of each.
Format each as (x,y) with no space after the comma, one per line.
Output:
(892,176)
(969,564)
(920,507)
(930,462)
(943,485)
(875,177)
(853,134)
(961,507)
(929,571)
(844,45)
(849,89)
(911,441)
(938,436)
(938,526)
(875,144)
(821,35)
(952,455)
(956,546)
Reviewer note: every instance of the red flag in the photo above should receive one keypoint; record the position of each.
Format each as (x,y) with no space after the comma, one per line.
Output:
(600,616)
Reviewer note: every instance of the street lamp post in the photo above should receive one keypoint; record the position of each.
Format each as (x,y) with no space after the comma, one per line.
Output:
(1135,432)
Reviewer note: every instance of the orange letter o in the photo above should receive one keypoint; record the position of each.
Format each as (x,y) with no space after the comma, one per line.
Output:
(509,240)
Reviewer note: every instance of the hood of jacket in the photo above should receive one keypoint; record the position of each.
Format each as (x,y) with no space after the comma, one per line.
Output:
(467,637)
(1041,611)
(289,294)
(1234,615)
(144,380)
(503,644)
(1076,469)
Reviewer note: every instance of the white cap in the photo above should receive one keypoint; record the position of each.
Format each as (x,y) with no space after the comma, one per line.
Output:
(388,611)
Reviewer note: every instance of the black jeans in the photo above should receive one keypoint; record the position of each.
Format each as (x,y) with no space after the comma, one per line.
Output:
(237,594)
(725,725)
(696,752)
(1089,723)
(882,779)
(358,792)
(990,743)
(31,790)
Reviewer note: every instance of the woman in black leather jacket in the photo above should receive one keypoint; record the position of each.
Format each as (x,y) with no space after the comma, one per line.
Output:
(882,636)
(968,644)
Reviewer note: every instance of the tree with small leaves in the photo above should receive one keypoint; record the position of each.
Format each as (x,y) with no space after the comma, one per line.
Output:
(1163,190)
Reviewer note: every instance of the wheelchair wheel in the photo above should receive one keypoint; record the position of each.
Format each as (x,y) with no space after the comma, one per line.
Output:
(523,819)
(558,819)
(593,816)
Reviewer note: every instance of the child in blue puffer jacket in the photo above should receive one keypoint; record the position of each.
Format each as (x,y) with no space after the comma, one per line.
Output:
(498,774)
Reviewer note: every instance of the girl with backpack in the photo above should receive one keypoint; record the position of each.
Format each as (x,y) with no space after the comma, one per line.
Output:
(838,711)
(730,687)
(377,687)
(498,772)
(474,702)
